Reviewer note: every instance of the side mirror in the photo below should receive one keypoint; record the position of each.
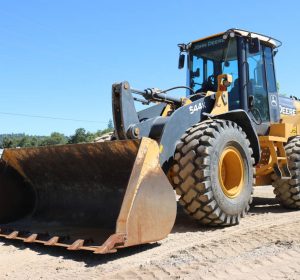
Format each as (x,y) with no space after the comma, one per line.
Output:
(251,102)
(254,45)
(181,61)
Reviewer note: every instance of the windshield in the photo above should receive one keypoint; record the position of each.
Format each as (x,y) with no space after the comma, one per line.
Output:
(210,58)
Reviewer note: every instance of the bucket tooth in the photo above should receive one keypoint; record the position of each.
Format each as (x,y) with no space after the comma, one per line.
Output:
(76,245)
(12,235)
(32,238)
(111,243)
(52,241)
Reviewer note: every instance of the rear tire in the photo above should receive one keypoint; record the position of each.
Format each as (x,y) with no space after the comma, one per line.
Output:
(288,191)
(213,172)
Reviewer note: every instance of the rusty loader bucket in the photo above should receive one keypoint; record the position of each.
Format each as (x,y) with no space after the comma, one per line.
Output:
(96,196)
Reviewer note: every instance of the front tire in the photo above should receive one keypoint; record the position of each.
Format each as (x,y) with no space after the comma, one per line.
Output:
(213,172)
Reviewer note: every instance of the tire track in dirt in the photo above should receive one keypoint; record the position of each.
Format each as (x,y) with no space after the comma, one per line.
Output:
(181,241)
(242,254)
(190,254)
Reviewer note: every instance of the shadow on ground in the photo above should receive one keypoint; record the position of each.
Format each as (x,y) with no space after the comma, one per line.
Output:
(86,257)
(262,205)
(183,224)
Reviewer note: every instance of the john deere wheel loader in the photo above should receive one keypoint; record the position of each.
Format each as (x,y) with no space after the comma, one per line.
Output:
(230,132)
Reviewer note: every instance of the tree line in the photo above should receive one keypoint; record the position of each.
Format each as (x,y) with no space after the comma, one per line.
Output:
(55,138)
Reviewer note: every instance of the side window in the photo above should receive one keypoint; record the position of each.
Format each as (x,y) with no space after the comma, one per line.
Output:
(197,73)
(231,67)
(209,68)
(257,86)
(270,70)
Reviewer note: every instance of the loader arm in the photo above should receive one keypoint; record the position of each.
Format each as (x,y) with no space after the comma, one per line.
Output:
(167,129)
(125,116)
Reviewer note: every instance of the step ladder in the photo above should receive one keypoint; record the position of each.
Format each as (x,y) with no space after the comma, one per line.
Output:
(277,159)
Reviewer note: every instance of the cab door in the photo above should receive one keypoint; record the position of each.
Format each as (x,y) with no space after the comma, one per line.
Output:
(271,85)
(261,88)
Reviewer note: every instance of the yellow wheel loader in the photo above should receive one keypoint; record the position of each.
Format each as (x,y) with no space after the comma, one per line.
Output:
(230,131)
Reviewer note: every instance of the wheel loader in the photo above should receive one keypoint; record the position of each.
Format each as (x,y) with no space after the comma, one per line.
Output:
(228,132)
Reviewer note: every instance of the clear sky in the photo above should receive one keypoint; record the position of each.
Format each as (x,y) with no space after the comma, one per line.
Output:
(59,58)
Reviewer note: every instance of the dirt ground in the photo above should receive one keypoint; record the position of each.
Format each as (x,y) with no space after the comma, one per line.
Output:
(266,245)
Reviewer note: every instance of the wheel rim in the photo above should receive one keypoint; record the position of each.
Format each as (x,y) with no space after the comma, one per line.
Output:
(231,172)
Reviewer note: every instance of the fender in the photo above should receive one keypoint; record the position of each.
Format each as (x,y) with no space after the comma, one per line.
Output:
(241,118)
(176,125)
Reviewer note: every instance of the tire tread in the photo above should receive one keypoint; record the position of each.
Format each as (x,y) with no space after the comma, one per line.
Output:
(192,170)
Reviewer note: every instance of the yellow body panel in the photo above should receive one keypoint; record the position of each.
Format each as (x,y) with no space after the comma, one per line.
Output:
(293,124)
(272,146)
(221,103)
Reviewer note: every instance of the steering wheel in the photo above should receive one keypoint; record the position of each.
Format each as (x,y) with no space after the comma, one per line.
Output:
(212,82)
(209,85)
(211,79)
(193,83)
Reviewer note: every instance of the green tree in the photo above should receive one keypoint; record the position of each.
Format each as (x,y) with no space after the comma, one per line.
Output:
(80,136)
(25,141)
(55,138)
(7,142)
(110,124)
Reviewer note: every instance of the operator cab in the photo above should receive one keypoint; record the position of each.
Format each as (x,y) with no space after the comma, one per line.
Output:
(248,57)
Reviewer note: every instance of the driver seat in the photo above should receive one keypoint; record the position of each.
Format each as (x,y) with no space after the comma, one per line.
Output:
(234,96)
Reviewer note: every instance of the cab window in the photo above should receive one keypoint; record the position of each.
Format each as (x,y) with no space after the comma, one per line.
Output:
(257,86)
(270,70)
(210,58)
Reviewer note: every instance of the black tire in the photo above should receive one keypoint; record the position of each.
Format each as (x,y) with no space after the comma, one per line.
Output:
(195,172)
(287,191)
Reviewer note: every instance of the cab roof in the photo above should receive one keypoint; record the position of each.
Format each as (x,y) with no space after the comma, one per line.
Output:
(240,32)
